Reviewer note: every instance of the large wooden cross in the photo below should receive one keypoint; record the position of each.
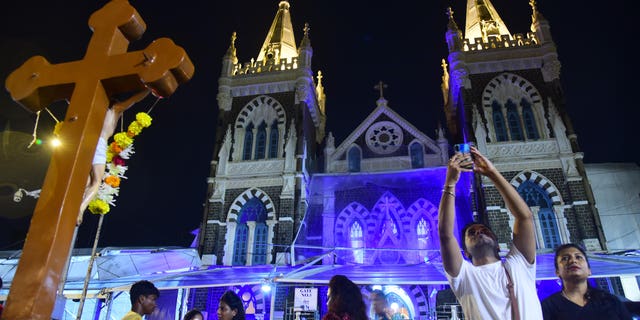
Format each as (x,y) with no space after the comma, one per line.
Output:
(106,69)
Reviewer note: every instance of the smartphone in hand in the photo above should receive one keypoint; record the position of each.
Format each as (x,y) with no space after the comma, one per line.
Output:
(465,149)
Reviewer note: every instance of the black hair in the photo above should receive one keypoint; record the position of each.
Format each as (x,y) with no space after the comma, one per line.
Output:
(346,298)
(235,303)
(192,313)
(463,234)
(566,246)
(142,288)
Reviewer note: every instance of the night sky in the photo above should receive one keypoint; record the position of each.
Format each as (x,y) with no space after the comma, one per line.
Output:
(356,44)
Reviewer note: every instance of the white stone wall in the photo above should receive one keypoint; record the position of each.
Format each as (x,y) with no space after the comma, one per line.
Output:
(616,187)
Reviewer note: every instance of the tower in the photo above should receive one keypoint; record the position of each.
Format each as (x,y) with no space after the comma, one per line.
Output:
(505,95)
(271,117)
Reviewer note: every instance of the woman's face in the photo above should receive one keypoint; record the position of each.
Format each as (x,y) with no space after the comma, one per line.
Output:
(197,317)
(225,312)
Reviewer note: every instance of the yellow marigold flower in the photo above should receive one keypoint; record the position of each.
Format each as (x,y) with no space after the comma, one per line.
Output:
(97,206)
(144,119)
(134,128)
(113,181)
(122,139)
(110,155)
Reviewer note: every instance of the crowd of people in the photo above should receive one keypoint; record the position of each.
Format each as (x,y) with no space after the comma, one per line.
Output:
(485,285)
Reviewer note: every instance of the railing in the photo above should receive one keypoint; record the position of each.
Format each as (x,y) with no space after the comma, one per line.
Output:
(504,41)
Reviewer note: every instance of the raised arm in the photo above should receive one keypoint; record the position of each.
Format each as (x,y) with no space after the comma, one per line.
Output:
(98,166)
(523,229)
(449,246)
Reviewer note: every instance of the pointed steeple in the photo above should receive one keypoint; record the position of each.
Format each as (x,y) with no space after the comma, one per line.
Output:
(230,59)
(305,52)
(539,25)
(454,35)
(320,93)
(483,21)
(280,42)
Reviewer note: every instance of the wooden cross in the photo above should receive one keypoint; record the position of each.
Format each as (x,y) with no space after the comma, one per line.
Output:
(106,69)
(380,86)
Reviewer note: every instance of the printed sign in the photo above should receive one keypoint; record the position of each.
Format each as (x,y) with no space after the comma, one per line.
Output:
(305,299)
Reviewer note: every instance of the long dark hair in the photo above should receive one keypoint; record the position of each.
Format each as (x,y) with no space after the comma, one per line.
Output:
(346,298)
(235,303)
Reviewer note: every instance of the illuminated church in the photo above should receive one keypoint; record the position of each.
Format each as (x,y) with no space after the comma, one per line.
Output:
(282,191)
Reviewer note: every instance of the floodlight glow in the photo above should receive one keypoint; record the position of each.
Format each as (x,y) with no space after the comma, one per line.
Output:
(56,142)
(266,288)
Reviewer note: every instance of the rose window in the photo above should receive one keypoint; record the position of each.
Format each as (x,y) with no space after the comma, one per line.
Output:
(384,137)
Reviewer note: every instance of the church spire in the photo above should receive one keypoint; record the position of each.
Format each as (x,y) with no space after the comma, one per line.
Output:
(280,42)
(483,21)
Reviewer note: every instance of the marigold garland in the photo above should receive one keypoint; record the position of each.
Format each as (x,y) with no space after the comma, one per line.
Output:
(117,152)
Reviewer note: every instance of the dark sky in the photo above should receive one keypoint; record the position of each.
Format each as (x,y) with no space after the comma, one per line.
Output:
(356,44)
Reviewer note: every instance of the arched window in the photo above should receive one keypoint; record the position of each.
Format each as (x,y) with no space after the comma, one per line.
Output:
(248,142)
(535,196)
(260,244)
(252,210)
(498,122)
(273,141)
(357,242)
(240,245)
(423,230)
(529,118)
(417,155)
(515,129)
(261,141)
(354,159)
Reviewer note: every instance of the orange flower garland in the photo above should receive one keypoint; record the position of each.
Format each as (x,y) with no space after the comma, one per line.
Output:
(118,151)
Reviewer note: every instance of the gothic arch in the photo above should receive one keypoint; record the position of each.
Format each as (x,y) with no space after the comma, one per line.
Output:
(398,214)
(511,88)
(240,201)
(540,180)
(422,208)
(262,109)
(354,211)
(550,221)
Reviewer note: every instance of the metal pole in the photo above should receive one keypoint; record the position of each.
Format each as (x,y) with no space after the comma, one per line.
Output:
(88,275)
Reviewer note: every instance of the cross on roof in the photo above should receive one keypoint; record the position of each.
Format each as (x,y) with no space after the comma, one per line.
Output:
(380,86)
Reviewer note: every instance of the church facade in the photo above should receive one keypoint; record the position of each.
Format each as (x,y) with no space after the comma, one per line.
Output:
(279,181)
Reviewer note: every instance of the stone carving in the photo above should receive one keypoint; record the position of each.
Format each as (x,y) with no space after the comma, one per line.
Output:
(253,168)
(384,137)
(480,132)
(559,129)
(224,99)
(520,149)
(290,148)
(223,155)
(551,70)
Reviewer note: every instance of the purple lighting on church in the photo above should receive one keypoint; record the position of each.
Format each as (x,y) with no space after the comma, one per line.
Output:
(378,218)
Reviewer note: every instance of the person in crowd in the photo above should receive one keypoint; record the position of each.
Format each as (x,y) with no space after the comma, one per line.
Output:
(485,286)
(344,300)
(143,295)
(230,307)
(193,314)
(577,299)
(380,305)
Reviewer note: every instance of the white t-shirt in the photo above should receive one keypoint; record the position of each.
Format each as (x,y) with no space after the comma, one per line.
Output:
(482,291)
